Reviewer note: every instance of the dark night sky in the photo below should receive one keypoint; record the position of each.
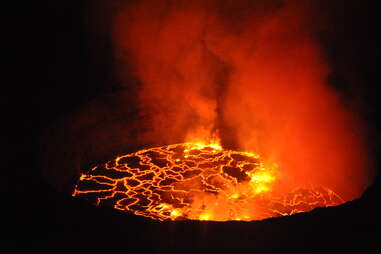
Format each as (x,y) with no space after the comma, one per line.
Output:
(57,65)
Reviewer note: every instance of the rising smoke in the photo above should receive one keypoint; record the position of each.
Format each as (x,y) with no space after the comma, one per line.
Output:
(251,73)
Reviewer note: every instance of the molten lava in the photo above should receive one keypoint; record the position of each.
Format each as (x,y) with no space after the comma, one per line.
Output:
(196,181)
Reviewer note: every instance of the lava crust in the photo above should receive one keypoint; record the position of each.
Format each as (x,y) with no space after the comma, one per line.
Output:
(196,182)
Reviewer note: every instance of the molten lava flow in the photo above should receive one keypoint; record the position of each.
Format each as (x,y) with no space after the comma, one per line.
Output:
(198,182)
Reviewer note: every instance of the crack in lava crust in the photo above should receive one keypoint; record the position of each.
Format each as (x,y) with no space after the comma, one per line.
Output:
(197,182)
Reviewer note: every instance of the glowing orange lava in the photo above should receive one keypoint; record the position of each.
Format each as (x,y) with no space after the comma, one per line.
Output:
(196,181)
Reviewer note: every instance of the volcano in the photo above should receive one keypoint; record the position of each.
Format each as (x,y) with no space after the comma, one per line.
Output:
(272,99)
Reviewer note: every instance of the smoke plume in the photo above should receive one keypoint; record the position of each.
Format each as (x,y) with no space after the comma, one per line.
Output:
(250,73)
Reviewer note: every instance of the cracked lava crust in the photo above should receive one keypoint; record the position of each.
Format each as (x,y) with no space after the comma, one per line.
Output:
(195,181)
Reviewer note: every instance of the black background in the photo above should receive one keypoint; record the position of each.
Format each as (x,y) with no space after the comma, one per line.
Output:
(56,65)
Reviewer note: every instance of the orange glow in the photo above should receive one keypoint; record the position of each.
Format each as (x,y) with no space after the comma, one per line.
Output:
(239,90)
(198,182)
(250,73)
(204,216)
